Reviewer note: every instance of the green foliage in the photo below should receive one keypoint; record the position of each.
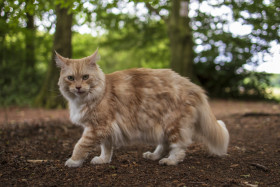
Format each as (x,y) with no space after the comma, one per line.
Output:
(17,87)
(83,45)
(43,51)
(275,80)
(221,55)
(131,40)
(226,84)
(116,55)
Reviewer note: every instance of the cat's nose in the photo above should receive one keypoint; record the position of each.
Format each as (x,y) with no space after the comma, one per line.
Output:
(78,87)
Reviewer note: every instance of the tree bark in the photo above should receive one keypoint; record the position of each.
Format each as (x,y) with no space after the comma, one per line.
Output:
(181,43)
(49,96)
(29,44)
(3,31)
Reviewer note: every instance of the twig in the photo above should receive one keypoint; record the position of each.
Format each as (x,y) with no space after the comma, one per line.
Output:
(156,11)
(40,161)
(252,114)
(259,166)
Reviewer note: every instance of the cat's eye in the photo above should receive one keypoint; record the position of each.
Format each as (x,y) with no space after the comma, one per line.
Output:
(85,77)
(70,78)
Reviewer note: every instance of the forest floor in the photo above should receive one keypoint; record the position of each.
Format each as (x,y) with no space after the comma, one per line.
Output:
(35,144)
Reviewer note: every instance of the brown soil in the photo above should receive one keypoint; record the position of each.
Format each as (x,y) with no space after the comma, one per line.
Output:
(35,144)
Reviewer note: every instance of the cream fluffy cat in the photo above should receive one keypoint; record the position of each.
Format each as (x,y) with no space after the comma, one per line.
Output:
(157,107)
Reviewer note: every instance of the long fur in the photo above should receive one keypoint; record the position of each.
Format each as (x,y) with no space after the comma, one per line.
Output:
(157,107)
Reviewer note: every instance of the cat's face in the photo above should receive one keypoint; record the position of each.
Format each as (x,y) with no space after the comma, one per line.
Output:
(79,78)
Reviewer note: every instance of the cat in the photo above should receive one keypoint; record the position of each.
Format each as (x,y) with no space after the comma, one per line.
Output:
(153,106)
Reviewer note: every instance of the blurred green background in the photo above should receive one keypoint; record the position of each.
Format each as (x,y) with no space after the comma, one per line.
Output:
(218,44)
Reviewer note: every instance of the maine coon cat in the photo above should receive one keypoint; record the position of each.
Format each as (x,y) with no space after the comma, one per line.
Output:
(154,106)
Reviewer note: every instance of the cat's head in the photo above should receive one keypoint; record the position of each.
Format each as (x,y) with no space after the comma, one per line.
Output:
(80,79)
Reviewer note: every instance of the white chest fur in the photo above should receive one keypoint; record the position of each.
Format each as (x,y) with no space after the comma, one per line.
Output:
(76,113)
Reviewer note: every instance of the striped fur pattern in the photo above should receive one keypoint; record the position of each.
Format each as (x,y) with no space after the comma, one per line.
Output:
(157,107)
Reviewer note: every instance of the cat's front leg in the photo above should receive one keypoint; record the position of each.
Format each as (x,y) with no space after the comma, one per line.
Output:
(106,153)
(73,163)
(81,149)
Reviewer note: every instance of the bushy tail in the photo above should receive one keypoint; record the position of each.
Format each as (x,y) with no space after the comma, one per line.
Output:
(212,132)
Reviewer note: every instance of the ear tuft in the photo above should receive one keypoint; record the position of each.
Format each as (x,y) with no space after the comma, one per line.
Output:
(93,58)
(60,60)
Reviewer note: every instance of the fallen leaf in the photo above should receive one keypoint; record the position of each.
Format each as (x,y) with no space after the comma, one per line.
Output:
(234,165)
(246,176)
(251,185)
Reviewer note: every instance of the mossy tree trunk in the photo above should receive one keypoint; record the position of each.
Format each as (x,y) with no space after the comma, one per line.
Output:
(180,37)
(181,43)
(49,96)
(3,31)
(28,66)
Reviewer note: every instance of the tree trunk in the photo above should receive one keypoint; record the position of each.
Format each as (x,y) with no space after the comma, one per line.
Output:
(29,64)
(49,96)
(181,43)
(3,31)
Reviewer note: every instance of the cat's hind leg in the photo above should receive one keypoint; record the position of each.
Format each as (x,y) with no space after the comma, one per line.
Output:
(157,154)
(177,154)
(178,143)
(106,153)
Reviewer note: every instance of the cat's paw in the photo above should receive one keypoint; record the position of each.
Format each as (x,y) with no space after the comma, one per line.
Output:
(168,162)
(73,163)
(99,160)
(151,156)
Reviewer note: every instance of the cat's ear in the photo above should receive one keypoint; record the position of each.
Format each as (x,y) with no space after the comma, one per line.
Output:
(61,62)
(92,59)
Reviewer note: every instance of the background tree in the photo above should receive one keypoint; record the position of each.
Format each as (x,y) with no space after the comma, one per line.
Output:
(28,65)
(17,37)
(222,54)
(180,36)
(49,94)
